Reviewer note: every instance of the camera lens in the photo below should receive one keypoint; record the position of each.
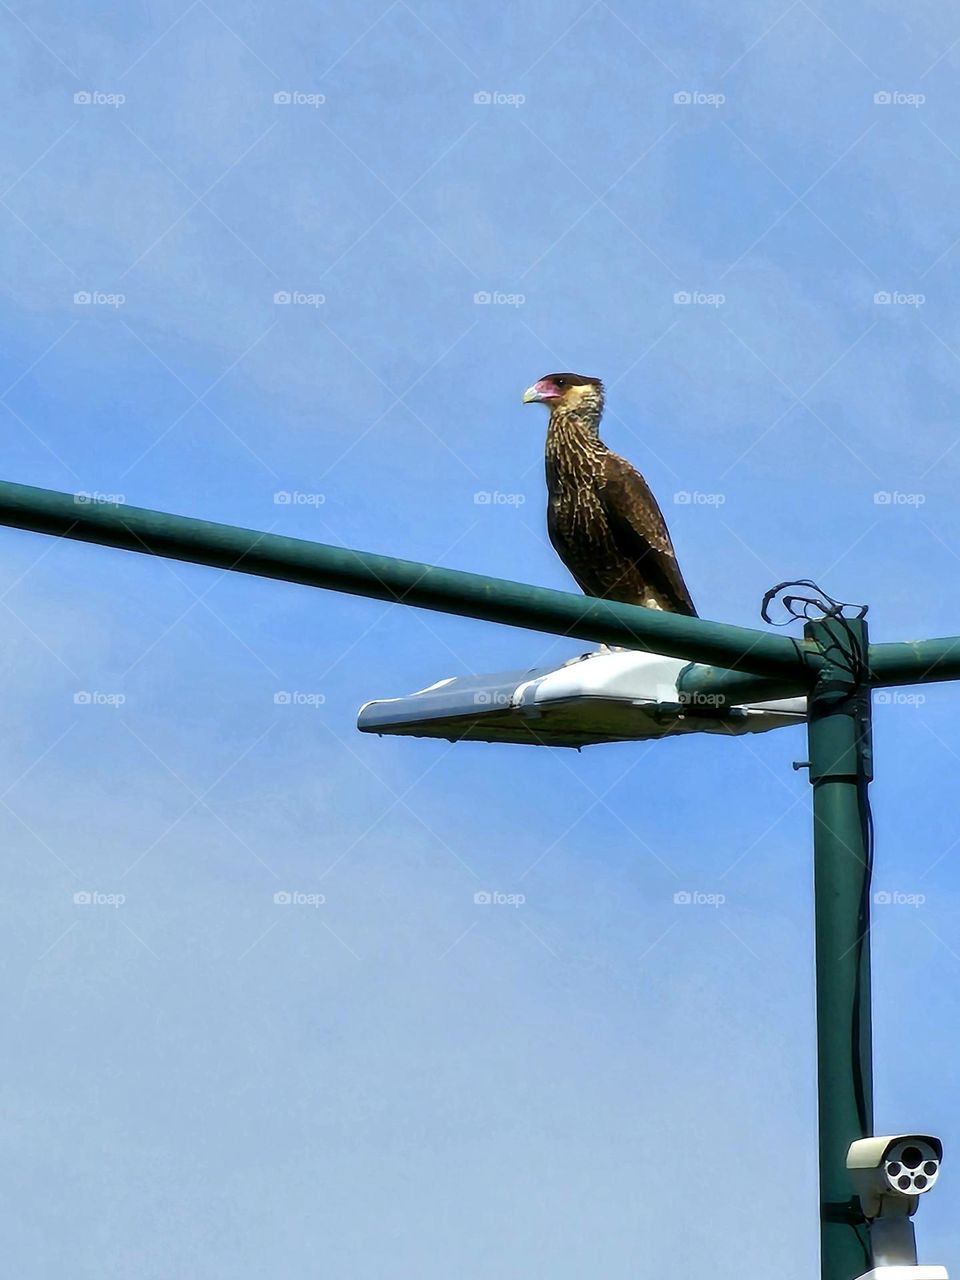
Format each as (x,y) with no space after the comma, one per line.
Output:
(912,1157)
(919,1182)
(904,1183)
(893,1168)
(930,1168)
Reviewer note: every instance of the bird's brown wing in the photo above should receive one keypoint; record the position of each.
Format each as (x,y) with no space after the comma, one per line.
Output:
(641,533)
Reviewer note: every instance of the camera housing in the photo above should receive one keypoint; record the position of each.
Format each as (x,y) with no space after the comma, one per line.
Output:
(890,1173)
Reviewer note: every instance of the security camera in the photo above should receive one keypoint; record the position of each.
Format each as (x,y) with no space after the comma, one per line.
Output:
(890,1174)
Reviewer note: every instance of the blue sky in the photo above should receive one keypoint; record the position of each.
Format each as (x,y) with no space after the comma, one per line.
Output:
(397,1082)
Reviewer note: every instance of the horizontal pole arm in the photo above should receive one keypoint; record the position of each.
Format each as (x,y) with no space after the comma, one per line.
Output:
(905,662)
(471,595)
(715,687)
(915,662)
(910,662)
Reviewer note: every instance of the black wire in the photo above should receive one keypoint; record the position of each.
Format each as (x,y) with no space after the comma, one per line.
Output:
(819,606)
(864,1245)
(812,607)
(863,916)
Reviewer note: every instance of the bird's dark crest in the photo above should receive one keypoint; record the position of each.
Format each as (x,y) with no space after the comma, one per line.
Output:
(573,379)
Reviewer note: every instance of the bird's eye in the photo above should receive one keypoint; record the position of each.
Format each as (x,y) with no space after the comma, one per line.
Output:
(559,382)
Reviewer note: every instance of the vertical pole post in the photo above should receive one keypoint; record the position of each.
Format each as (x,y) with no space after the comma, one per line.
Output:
(839,733)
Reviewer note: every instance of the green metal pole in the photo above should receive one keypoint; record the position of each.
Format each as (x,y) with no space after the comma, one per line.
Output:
(915,661)
(360,573)
(905,662)
(740,654)
(840,771)
(714,687)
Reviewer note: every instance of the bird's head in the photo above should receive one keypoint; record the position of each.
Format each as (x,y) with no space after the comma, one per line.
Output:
(569,391)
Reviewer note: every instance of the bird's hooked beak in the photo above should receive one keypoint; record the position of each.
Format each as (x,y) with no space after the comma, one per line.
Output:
(541,392)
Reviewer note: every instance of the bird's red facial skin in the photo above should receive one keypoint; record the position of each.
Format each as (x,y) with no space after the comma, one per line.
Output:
(547,390)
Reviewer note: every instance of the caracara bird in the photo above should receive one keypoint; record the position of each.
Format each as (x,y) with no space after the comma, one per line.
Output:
(603,520)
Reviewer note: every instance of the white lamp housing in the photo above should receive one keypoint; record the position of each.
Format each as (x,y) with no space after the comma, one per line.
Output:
(619,696)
